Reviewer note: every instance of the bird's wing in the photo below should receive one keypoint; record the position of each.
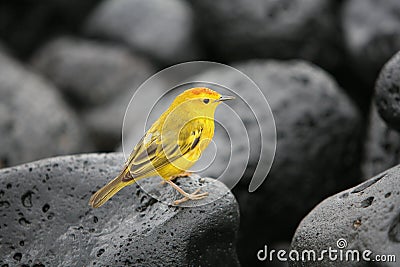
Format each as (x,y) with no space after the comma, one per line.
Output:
(155,151)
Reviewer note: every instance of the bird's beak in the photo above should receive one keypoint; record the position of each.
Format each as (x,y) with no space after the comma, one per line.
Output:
(224,98)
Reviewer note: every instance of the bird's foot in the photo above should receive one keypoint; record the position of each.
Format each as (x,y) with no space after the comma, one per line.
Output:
(181,175)
(186,196)
(192,196)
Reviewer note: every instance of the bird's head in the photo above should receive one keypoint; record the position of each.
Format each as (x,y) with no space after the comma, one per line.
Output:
(200,99)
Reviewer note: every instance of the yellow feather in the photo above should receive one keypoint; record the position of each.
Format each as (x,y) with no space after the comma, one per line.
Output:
(172,144)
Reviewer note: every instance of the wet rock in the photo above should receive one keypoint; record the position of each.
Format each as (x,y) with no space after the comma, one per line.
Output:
(366,217)
(387,92)
(239,29)
(46,218)
(160,29)
(382,147)
(317,153)
(35,122)
(90,72)
(371,32)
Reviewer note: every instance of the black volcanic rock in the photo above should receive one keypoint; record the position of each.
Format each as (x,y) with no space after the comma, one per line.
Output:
(25,26)
(387,92)
(162,30)
(35,122)
(371,32)
(382,147)
(99,79)
(366,216)
(106,121)
(46,218)
(318,151)
(91,72)
(240,29)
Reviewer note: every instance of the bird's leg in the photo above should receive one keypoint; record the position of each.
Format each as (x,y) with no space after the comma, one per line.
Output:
(187,196)
(181,175)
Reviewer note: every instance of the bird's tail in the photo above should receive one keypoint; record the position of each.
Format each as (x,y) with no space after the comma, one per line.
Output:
(107,191)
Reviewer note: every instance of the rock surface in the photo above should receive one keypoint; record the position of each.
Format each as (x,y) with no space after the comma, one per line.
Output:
(366,216)
(99,79)
(163,30)
(240,29)
(319,140)
(107,121)
(387,92)
(46,218)
(111,76)
(90,72)
(35,122)
(382,147)
(371,33)
(25,26)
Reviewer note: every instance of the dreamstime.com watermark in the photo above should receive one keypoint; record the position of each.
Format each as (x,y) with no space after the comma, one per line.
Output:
(339,254)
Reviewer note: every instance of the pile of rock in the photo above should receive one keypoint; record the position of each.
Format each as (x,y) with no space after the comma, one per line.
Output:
(64,90)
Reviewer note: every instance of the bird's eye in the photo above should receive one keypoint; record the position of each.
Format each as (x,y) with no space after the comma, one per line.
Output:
(206,101)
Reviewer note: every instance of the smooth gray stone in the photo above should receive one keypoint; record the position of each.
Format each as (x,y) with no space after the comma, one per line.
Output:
(35,121)
(90,72)
(99,79)
(24,27)
(371,34)
(107,122)
(241,29)
(387,92)
(382,146)
(162,30)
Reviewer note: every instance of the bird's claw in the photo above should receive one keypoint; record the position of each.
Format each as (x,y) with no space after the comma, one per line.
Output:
(185,174)
(192,196)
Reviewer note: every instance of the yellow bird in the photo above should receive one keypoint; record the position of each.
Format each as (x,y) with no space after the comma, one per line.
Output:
(171,145)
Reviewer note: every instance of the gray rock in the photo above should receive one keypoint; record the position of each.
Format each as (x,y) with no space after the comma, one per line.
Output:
(318,147)
(275,262)
(371,32)
(35,122)
(46,218)
(240,29)
(387,92)
(90,72)
(366,216)
(382,147)
(319,139)
(106,121)
(24,28)
(101,78)
(160,29)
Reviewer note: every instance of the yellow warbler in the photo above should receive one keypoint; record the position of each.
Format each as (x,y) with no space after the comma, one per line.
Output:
(171,145)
